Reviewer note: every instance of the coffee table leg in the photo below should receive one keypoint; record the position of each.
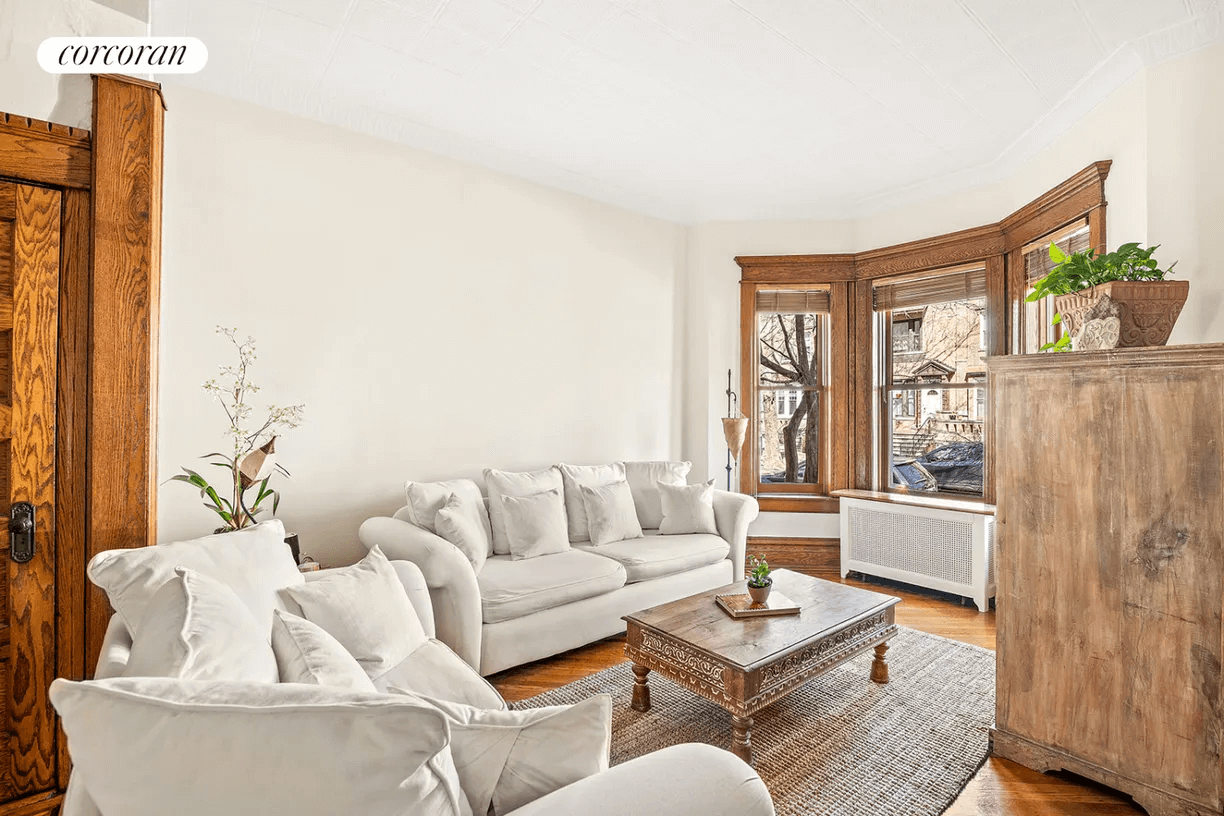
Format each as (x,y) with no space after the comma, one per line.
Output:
(879,666)
(741,737)
(641,691)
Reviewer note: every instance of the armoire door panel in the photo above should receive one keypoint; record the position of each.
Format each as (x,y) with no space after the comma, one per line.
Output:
(29,286)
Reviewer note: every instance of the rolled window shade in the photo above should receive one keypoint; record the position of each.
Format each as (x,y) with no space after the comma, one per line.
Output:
(773,301)
(936,288)
(1037,263)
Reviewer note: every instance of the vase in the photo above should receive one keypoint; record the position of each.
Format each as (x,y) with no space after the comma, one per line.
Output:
(1147,309)
(760,594)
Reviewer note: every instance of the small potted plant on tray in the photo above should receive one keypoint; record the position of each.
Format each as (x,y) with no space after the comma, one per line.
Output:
(1116,300)
(759,582)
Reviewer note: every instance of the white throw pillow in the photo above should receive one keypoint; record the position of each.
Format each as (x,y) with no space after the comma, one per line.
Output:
(535,525)
(459,524)
(147,747)
(575,476)
(195,628)
(688,509)
(305,653)
(366,609)
(425,499)
(255,563)
(610,513)
(644,479)
(512,758)
(503,483)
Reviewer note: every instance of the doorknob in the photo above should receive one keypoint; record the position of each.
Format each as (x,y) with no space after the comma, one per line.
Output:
(21,532)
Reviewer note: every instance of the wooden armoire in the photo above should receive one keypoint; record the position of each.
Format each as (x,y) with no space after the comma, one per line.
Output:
(80,221)
(1109,542)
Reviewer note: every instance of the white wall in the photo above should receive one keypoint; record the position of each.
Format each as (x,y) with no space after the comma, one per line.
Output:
(1185,205)
(27,90)
(436,318)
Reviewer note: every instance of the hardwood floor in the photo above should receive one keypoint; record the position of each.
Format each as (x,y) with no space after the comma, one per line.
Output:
(1001,788)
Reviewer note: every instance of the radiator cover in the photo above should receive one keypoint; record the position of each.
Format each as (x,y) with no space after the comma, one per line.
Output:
(947,550)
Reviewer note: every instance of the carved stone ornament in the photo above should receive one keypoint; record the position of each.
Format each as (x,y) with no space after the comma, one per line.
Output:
(1102,325)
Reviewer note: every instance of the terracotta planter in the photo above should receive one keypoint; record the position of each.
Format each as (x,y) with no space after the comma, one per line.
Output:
(760,595)
(1147,309)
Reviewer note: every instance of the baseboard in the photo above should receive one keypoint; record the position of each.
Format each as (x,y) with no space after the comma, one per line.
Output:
(820,557)
(1156,801)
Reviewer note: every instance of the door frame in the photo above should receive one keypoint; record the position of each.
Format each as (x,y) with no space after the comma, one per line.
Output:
(106,391)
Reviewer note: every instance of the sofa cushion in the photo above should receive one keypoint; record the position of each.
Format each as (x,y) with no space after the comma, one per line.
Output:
(511,589)
(254,562)
(574,478)
(196,628)
(688,509)
(433,670)
(610,513)
(509,758)
(366,608)
(535,525)
(425,499)
(148,747)
(656,555)
(644,479)
(306,653)
(507,483)
(460,523)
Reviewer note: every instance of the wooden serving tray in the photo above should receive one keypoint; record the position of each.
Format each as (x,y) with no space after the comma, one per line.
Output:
(740,606)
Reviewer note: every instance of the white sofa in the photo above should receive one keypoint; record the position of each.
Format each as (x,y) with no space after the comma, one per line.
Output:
(513,612)
(683,779)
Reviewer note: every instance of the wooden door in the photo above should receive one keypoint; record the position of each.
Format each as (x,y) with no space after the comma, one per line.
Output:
(29,284)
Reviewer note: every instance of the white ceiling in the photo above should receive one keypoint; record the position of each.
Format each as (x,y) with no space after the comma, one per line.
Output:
(696,110)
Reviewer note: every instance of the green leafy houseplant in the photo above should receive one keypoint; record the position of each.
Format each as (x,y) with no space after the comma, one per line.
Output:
(758,572)
(251,462)
(1083,270)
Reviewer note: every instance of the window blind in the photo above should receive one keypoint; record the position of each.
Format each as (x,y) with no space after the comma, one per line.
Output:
(1037,263)
(774,301)
(935,288)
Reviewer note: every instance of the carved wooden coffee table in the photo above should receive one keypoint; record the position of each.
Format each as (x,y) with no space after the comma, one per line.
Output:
(745,665)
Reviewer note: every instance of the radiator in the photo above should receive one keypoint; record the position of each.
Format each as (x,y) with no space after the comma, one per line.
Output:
(947,550)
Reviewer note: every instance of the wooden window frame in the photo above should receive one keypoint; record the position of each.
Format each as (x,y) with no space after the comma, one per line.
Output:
(995,310)
(853,394)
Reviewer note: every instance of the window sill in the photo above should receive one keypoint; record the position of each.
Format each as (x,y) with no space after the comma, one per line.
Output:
(916,500)
(793,503)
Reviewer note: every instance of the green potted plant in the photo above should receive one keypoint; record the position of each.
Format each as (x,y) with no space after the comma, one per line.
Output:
(1127,284)
(759,582)
(251,462)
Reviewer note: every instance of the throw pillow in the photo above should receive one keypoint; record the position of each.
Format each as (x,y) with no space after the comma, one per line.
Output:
(433,670)
(535,525)
(503,483)
(425,499)
(148,747)
(459,524)
(255,563)
(195,628)
(512,758)
(610,513)
(366,609)
(305,653)
(574,477)
(644,479)
(687,509)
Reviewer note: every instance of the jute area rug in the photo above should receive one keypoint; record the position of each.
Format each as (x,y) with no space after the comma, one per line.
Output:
(841,744)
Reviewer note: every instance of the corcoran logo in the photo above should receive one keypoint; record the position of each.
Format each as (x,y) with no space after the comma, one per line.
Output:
(122,55)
